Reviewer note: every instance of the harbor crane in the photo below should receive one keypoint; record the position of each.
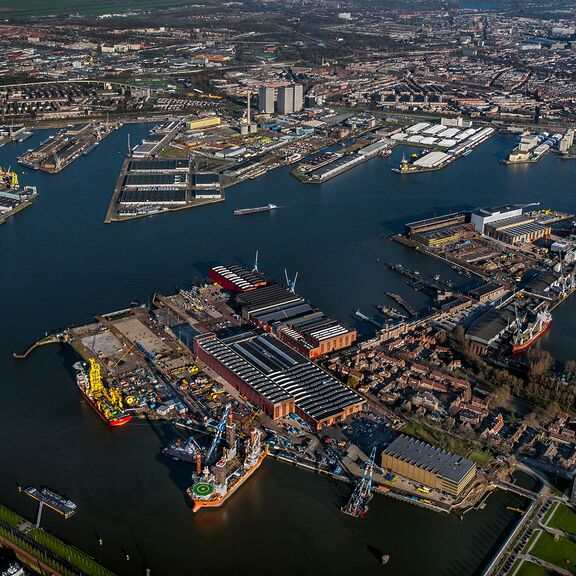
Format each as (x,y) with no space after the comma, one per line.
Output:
(255,266)
(357,505)
(291,283)
(219,432)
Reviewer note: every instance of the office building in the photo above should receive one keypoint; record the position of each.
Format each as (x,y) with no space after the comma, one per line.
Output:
(298,97)
(286,100)
(266,100)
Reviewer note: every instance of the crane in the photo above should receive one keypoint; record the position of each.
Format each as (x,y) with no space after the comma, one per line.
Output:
(357,505)
(289,282)
(219,432)
(124,355)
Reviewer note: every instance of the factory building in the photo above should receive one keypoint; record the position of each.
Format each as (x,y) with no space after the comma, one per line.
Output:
(428,465)
(316,337)
(236,279)
(486,331)
(206,185)
(260,390)
(266,100)
(278,379)
(435,223)
(483,216)
(199,123)
(517,230)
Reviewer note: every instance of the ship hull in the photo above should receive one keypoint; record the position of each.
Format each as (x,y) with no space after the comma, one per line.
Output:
(518,348)
(217,502)
(116,422)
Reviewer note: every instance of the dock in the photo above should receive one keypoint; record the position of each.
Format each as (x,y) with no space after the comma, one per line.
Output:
(400,301)
(54,154)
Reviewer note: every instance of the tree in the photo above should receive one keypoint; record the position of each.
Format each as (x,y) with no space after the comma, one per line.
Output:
(540,362)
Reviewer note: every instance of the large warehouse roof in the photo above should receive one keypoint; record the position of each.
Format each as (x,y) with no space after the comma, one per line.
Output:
(430,458)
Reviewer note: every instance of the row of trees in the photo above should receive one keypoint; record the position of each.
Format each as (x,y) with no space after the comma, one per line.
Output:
(541,383)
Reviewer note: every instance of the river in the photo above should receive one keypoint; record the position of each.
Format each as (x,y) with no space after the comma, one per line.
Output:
(61,265)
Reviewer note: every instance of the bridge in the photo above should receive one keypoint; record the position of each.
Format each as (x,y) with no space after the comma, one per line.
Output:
(508,487)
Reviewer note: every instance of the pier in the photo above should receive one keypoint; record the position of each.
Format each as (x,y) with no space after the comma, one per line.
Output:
(53,339)
(399,300)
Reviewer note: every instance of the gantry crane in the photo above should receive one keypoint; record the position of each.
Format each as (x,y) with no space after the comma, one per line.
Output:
(357,505)
(219,432)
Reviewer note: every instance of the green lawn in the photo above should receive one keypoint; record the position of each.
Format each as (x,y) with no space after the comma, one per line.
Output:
(529,569)
(561,553)
(529,543)
(564,519)
(548,514)
(480,457)
(70,553)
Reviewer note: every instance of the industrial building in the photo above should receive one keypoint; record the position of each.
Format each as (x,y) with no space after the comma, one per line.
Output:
(236,279)
(486,331)
(155,182)
(199,123)
(483,216)
(279,310)
(278,379)
(260,390)
(428,465)
(206,185)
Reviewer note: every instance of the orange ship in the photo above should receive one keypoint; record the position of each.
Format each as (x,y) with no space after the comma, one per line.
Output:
(526,336)
(215,486)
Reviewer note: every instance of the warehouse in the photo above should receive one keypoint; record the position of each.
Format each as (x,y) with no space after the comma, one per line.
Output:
(260,390)
(428,465)
(484,216)
(517,230)
(156,181)
(488,329)
(432,160)
(266,298)
(159,165)
(235,279)
(317,397)
(160,197)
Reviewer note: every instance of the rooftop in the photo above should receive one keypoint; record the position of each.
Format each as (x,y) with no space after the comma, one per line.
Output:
(445,464)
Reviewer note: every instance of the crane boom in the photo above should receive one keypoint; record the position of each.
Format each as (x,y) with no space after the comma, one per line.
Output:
(219,433)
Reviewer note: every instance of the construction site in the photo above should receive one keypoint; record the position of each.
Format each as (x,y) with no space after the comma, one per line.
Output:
(57,152)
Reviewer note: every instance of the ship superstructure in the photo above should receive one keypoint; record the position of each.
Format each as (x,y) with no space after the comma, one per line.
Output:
(529,331)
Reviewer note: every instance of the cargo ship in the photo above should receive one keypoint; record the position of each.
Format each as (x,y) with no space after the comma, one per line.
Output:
(526,335)
(106,402)
(215,486)
(53,500)
(244,211)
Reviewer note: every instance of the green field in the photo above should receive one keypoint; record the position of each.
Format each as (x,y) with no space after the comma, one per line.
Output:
(529,569)
(561,553)
(564,519)
(10,517)
(548,514)
(12,8)
(481,458)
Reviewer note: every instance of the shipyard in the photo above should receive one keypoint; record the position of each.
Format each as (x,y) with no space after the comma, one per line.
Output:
(13,198)
(244,367)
